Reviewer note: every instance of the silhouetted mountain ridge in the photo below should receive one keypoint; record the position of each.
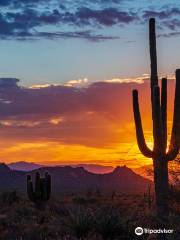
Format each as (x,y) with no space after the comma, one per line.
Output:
(24,166)
(30,166)
(70,179)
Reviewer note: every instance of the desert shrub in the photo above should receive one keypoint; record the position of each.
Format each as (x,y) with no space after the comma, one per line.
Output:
(108,223)
(174,193)
(98,193)
(92,201)
(24,211)
(84,201)
(79,200)
(8,198)
(58,208)
(44,232)
(89,193)
(80,222)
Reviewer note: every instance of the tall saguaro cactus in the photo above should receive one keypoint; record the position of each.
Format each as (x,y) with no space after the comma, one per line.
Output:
(160,155)
(41,191)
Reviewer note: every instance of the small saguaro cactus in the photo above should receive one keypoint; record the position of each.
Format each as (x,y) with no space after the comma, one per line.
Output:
(148,197)
(40,193)
(160,155)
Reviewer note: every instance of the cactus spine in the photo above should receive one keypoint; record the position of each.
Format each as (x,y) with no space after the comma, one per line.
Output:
(41,191)
(159,154)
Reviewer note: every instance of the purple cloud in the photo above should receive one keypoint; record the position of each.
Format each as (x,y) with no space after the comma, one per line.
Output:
(93,115)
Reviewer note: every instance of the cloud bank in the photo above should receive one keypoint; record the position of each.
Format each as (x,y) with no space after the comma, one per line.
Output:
(90,20)
(97,114)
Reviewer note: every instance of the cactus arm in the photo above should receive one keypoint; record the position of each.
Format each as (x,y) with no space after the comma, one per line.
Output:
(164,112)
(38,186)
(172,153)
(48,185)
(175,135)
(139,130)
(43,189)
(157,123)
(30,191)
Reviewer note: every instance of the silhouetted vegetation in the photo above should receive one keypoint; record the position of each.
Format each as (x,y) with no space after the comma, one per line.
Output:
(159,154)
(64,219)
(41,192)
(9,198)
(148,197)
(108,223)
(80,222)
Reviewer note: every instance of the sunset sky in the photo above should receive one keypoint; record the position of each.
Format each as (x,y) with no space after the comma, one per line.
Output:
(66,75)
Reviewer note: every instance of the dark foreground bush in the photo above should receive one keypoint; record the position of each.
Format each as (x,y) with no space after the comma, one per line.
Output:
(80,222)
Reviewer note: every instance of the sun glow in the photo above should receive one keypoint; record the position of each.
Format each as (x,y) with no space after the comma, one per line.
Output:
(56,121)
(58,153)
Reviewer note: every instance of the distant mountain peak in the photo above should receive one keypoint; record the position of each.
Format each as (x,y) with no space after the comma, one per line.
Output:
(4,167)
(24,166)
(124,172)
(121,168)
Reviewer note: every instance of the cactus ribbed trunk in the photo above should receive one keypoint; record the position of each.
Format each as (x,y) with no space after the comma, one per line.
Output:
(153,54)
(161,184)
(159,118)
